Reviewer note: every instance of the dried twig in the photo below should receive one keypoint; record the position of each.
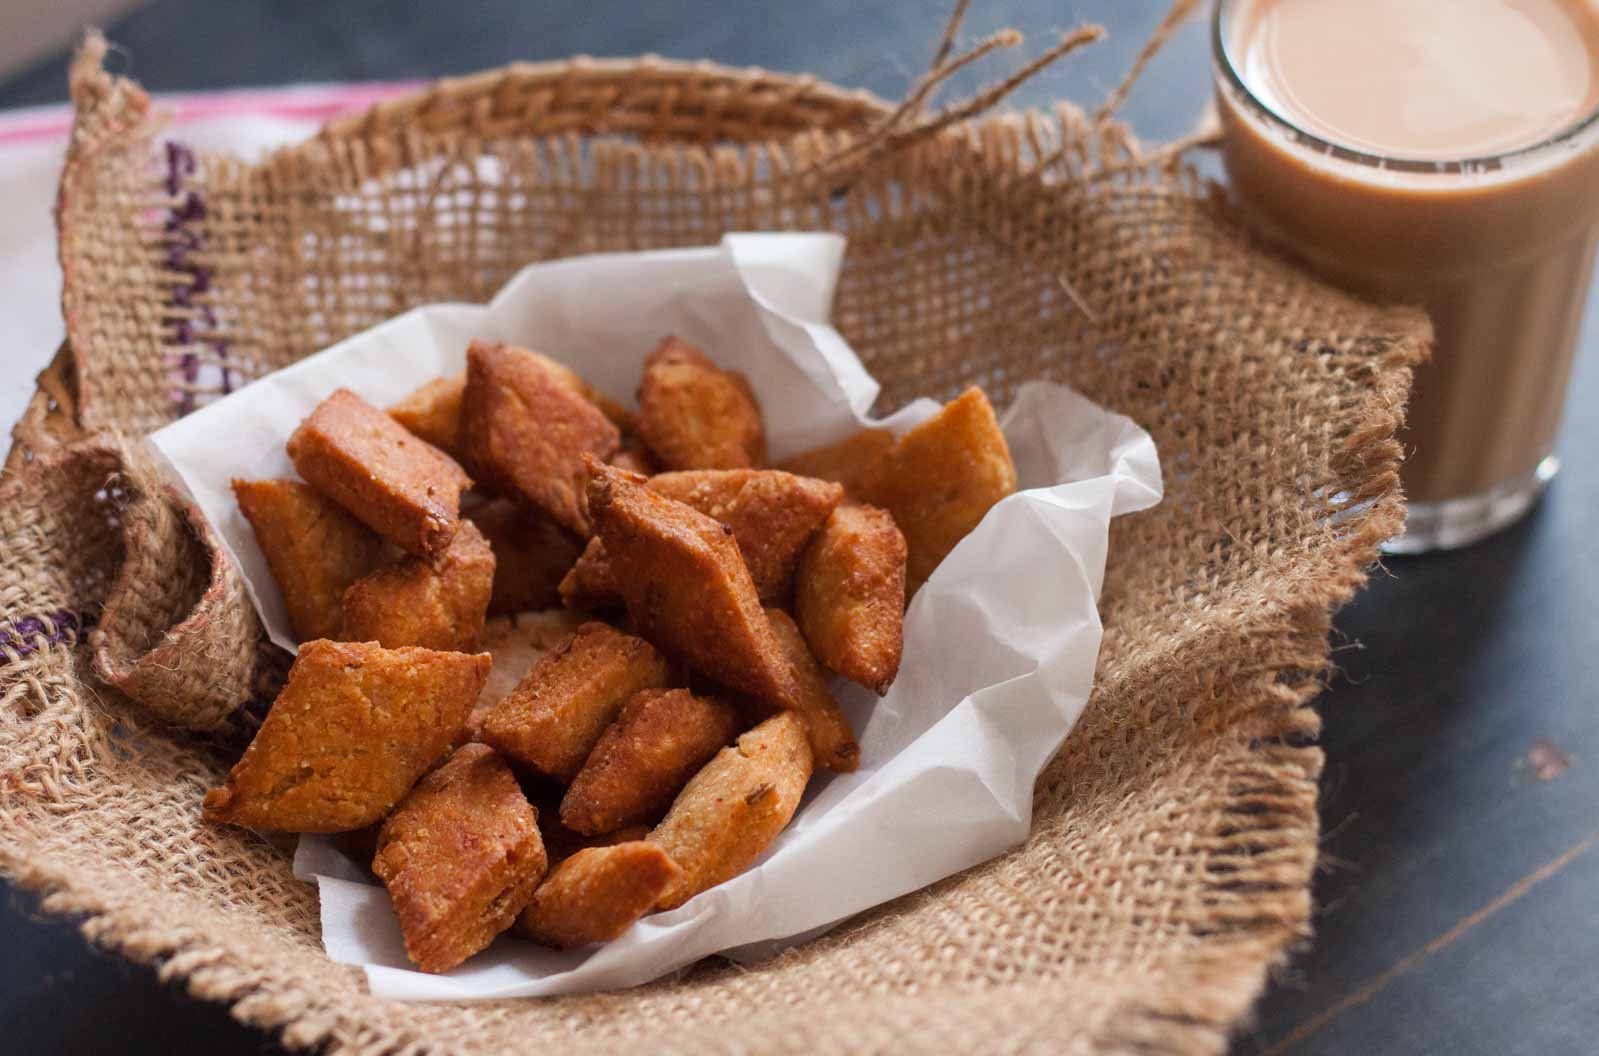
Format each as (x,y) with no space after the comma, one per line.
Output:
(888,136)
(1179,12)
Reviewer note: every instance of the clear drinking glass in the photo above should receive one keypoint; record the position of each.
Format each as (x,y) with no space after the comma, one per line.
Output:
(1498,249)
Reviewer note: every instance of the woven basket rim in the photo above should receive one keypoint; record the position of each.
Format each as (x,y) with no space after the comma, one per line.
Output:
(716,87)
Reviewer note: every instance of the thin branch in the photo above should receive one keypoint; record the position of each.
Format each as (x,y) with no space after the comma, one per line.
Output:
(1179,12)
(947,43)
(1005,38)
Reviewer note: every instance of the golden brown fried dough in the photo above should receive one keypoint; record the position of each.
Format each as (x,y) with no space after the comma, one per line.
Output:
(660,739)
(941,478)
(515,643)
(597,894)
(772,514)
(833,743)
(849,595)
(686,587)
(552,719)
(404,488)
(314,548)
(354,727)
(531,555)
(461,856)
(589,583)
(620,416)
(694,415)
(734,807)
(433,413)
(846,461)
(524,431)
(435,604)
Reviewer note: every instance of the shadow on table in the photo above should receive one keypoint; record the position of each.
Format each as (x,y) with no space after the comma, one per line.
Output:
(89,996)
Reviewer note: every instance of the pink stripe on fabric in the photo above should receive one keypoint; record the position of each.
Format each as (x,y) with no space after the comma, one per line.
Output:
(305,102)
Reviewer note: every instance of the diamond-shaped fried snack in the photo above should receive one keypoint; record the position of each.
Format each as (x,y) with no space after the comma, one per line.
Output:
(660,739)
(733,808)
(531,555)
(849,595)
(433,413)
(516,643)
(404,488)
(772,514)
(845,462)
(941,478)
(695,415)
(833,743)
(314,548)
(355,726)
(589,584)
(524,431)
(461,856)
(552,719)
(437,604)
(620,416)
(686,587)
(597,894)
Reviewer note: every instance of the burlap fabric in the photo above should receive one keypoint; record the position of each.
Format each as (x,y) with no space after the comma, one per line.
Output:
(1174,835)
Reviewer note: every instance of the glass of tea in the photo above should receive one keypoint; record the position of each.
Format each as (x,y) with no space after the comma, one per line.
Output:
(1442,153)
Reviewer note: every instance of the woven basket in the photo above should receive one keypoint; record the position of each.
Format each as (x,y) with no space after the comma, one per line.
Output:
(1175,834)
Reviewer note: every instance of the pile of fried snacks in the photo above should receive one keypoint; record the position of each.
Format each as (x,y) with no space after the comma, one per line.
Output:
(658,749)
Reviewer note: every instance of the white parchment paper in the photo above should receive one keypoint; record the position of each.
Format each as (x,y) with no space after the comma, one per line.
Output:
(1000,644)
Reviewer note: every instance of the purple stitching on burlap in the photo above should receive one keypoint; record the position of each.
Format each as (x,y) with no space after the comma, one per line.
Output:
(24,637)
(184,237)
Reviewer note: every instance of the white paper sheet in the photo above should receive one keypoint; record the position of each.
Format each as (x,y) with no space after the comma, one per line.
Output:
(1000,644)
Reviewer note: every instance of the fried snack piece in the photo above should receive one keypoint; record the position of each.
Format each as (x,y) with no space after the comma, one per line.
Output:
(644,758)
(531,555)
(516,643)
(589,584)
(620,416)
(694,415)
(849,595)
(461,856)
(355,726)
(941,478)
(773,515)
(437,605)
(433,413)
(314,548)
(846,461)
(552,719)
(524,431)
(597,894)
(404,488)
(686,586)
(833,743)
(728,814)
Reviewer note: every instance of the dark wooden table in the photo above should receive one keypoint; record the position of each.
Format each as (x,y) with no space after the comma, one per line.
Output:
(1459,894)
